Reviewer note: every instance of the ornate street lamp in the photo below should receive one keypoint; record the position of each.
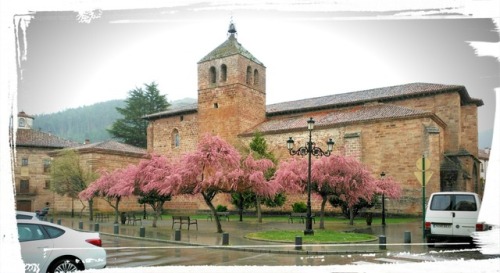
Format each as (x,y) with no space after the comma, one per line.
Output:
(383,202)
(309,149)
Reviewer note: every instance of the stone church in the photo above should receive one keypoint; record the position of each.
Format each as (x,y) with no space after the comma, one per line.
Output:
(388,129)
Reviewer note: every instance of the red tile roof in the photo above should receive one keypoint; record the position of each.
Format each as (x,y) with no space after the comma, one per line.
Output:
(111,146)
(35,138)
(341,116)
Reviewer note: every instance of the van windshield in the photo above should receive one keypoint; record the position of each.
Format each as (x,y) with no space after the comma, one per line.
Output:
(456,202)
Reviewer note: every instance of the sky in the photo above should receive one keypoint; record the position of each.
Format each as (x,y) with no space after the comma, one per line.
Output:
(309,51)
(65,54)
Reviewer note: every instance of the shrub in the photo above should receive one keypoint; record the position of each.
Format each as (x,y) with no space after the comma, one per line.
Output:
(221,208)
(299,207)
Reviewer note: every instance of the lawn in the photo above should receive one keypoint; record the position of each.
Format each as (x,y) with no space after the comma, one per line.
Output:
(320,236)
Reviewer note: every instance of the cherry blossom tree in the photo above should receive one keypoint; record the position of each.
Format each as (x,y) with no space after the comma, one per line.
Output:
(155,177)
(343,177)
(215,167)
(112,186)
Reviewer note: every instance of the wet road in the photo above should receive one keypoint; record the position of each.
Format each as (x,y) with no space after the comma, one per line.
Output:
(124,252)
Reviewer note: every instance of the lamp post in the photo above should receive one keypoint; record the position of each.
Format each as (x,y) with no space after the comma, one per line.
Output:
(383,202)
(309,149)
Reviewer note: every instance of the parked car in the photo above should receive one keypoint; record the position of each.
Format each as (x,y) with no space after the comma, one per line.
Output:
(25,215)
(50,248)
(452,216)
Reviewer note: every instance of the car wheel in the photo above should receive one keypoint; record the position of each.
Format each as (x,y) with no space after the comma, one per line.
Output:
(64,265)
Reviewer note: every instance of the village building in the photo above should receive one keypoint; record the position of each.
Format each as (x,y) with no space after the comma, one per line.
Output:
(34,152)
(388,129)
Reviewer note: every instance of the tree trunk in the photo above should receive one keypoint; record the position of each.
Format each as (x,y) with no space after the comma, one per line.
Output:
(241,207)
(351,216)
(208,201)
(157,209)
(259,210)
(117,213)
(83,208)
(91,209)
(322,212)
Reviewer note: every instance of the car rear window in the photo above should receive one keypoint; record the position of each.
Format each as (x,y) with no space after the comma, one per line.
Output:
(456,202)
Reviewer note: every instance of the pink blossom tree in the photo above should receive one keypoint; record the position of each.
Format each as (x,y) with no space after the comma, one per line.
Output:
(112,186)
(343,177)
(215,167)
(156,175)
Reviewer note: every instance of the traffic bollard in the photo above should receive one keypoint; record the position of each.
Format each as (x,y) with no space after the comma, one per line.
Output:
(177,235)
(96,227)
(225,239)
(116,228)
(298,243)
(382,240)
(407,237)
(142,232)
(80,225)
(59,221)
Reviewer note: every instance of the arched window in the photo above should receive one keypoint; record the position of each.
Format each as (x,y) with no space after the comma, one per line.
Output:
(176,139)
(255,77)
(223,73)
(212,75)
(249,75)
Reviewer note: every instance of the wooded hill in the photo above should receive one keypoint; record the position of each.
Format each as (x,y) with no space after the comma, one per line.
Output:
(87,122)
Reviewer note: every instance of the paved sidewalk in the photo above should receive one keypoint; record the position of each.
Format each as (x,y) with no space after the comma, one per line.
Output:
(206,235)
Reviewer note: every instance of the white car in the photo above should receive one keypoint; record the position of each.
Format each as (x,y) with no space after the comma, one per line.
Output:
(51,248)
(25,215)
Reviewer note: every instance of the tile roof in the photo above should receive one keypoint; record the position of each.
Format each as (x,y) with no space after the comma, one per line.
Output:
(35,138)
(341,116)
(385,94)
(230,47)
(185,109)
(361,97)
(110,146)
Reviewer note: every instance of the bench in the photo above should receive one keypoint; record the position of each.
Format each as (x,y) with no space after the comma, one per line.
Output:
(131,218)
(100,217)
(300,216)
(181,220)
(220,214)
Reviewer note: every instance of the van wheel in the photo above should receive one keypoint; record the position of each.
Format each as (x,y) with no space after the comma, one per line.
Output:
(430,242)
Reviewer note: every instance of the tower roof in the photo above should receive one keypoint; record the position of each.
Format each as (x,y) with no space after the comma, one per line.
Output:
(230,47)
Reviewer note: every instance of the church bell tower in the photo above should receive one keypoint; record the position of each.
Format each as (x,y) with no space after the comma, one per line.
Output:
(231,90)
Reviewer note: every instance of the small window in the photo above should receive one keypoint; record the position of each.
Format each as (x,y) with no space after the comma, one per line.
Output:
(223,73)
(47,184)
(212,75)
(24,186)
(176,139)
(249,75)
(46,165)
(216,105)
(24,161)
(255,77)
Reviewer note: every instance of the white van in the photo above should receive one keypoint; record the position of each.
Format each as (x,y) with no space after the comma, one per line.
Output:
(452,216)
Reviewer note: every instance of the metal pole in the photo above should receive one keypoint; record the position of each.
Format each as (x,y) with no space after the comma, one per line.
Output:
(423,196)
(383,209)
(309,230)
